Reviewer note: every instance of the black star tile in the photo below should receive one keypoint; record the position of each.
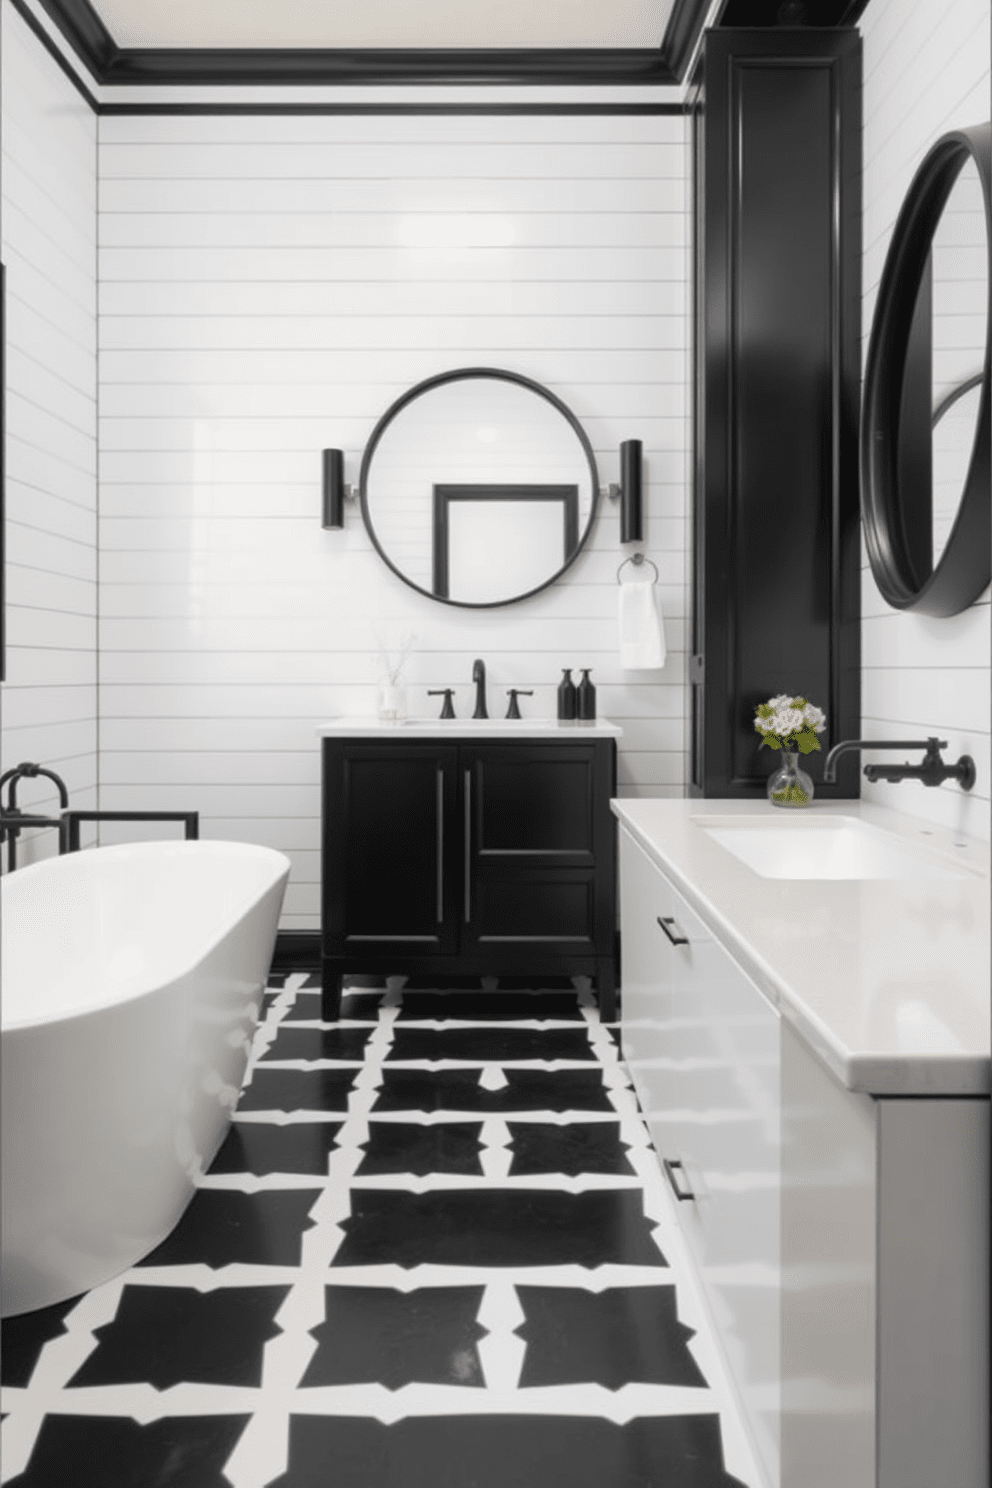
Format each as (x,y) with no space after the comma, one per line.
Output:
(298,1090)
(497,1227)
(171,1335)
(260,1148)
(495,1044)
(305,1009)
(222,1226)
(178,1452)
(319,1043)
(394,1338)
(625,1335)
(25,1336)
(459,1090)
(313,983)
(506,1452)
(490,1006)
(578,1147)
(447,1147)
(277,979)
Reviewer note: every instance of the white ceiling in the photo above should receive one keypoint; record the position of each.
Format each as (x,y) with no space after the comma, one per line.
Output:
(385,23)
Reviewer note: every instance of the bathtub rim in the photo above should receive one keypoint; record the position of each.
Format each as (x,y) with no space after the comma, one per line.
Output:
(203,847)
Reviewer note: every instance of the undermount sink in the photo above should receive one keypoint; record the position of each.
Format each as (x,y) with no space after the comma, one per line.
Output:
(839,847)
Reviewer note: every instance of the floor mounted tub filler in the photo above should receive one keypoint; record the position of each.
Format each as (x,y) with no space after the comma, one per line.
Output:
(132,982)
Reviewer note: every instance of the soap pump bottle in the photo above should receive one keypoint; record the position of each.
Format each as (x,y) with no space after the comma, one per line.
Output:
(586,697)
(566,696)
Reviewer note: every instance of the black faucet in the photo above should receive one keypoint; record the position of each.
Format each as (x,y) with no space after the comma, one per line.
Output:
(479,678)
(932,771)
(13,820)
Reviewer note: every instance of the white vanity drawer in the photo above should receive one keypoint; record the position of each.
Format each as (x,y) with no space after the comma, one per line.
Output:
(703,1047)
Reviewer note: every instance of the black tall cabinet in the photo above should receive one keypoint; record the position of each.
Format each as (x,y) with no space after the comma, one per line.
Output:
(776,607)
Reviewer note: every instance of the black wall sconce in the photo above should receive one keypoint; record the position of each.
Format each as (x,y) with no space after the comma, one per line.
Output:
(628,492)
(335,490)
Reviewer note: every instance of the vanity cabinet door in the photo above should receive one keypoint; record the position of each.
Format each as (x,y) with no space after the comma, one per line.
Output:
(538,848)
(703,1046)
(391,866)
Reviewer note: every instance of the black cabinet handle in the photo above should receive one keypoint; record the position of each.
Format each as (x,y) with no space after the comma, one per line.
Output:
(673,1168)
(672,930)
(468,846)
(440,846)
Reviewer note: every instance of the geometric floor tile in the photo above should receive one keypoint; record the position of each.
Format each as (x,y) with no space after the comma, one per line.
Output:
(221,1227)
(525,1090)
(498,1227)
(617,1337)
(506,1452)
(298,1090)
(427,1336)
(116,1452)
(256,1147)
(493,1044)
(490,1006)
(319,1043)
(24,1337)
(485,1378)
(170,1335)
(446,1147)
(578,1147)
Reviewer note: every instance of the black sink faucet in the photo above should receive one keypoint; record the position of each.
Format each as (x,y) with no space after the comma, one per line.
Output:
(932,771)
(479,678)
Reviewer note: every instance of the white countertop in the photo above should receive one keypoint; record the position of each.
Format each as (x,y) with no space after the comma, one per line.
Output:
(887,980)
(468,728)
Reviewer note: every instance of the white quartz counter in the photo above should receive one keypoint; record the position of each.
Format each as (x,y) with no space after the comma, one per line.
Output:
(468,728)
(887,980)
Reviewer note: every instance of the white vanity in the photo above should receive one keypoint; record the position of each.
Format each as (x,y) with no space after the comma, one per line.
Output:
(812,1054)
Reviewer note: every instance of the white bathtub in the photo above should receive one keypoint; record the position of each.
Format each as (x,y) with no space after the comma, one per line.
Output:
(132,979)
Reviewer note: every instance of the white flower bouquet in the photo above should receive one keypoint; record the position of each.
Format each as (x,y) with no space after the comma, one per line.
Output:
(789,723)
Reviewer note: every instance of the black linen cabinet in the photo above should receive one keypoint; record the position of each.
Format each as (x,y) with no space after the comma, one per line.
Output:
(776,533)
(468,858)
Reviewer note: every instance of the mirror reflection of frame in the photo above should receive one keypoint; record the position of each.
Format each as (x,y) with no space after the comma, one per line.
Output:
(477,547)
(478,487)
(925,435)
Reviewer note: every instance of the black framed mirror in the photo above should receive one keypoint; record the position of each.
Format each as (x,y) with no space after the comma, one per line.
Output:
(478,487)
(925,430)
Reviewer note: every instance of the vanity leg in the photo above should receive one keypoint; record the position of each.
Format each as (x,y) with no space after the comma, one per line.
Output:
(606,989)
(330,1002)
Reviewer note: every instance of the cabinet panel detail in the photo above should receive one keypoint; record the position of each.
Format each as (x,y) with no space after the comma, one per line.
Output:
(533,908)
(526,804)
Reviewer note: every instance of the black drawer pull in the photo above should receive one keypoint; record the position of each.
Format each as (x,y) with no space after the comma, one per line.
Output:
(672,930)
(670,1165)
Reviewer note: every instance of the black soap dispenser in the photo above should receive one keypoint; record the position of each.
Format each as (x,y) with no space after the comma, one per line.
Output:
(586,698)
(566,696)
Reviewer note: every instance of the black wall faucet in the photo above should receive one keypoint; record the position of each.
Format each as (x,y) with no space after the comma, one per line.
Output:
(479,678)
(932,771)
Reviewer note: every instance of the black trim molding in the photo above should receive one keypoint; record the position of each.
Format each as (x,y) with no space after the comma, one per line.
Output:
(112,65)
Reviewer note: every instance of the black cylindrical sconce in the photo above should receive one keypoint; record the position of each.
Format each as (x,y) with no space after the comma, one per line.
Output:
(631,522)
(333,488)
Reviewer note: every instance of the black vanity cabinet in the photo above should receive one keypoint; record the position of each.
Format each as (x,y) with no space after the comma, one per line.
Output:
(469,858)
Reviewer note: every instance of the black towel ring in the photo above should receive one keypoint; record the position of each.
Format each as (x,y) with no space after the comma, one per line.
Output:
(637,559)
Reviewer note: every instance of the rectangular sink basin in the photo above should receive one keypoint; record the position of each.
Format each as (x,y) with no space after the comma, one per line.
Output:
(838,847)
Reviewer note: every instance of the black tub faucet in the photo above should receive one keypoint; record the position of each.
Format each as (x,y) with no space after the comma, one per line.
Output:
(932,771)
(479,678)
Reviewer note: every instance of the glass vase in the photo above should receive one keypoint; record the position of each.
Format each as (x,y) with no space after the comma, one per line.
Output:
(790,786)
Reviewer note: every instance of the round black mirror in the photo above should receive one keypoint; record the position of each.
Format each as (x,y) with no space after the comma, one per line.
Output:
(925,429)
(478,487)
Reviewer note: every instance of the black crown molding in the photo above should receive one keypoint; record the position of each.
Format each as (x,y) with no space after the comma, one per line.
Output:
(114,66)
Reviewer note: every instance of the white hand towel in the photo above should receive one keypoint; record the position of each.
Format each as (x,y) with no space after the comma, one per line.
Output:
(642,636)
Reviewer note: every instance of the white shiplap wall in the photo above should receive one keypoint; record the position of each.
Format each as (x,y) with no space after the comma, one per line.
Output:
(49,701)
(926,70)
(257,303)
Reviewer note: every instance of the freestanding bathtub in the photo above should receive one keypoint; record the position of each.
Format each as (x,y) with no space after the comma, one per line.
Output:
(132,980)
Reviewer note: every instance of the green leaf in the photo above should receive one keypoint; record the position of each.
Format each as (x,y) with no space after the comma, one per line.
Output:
(772,741)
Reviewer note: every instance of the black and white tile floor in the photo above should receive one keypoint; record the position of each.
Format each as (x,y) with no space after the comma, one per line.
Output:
(435,1249)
